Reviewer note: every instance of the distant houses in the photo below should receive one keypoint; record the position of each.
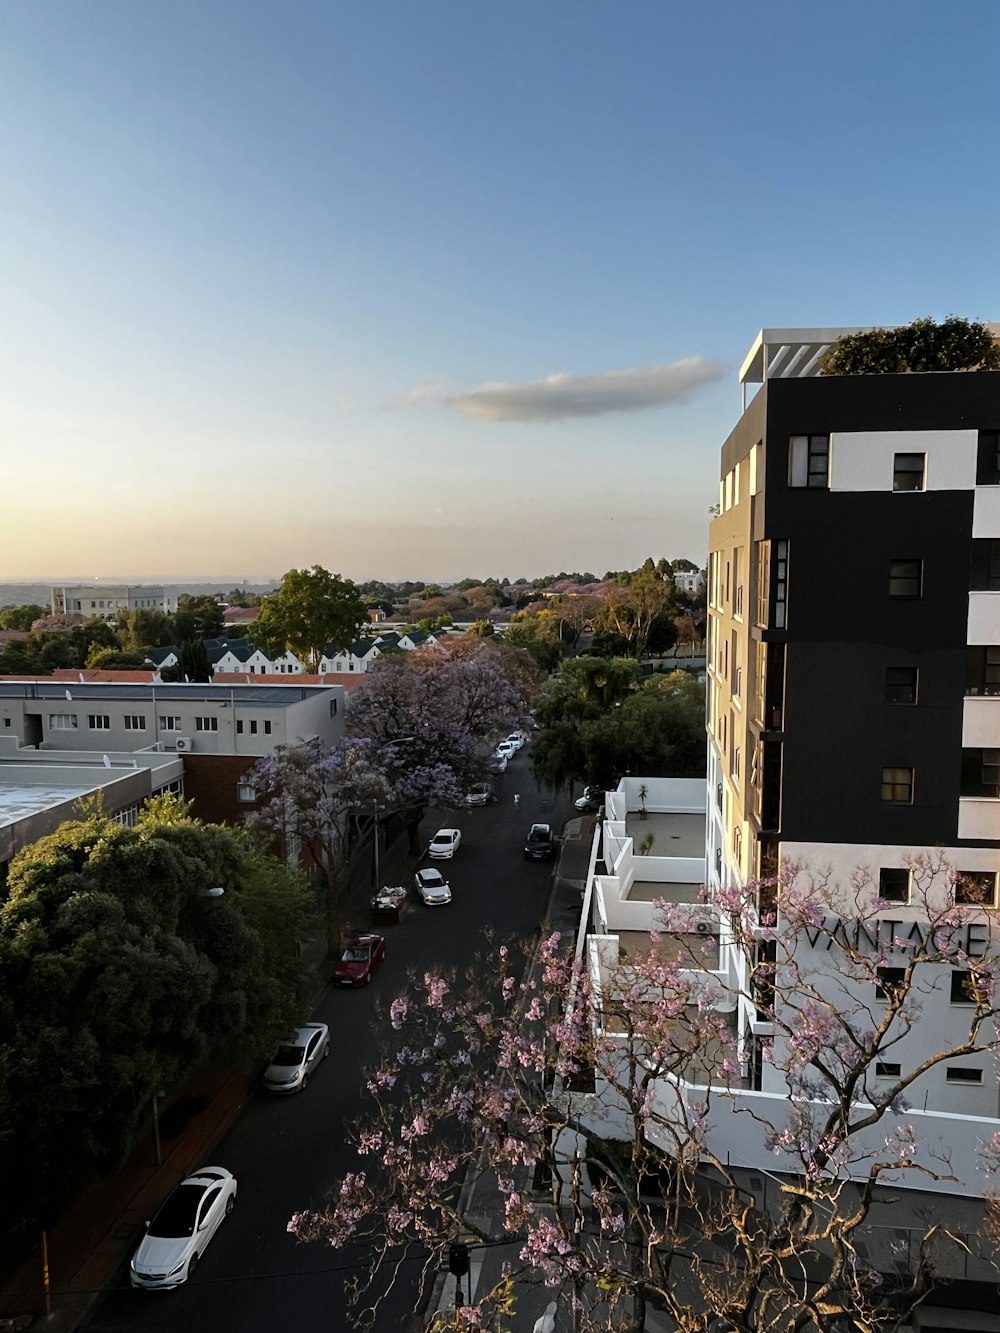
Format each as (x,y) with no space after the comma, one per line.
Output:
(239,655)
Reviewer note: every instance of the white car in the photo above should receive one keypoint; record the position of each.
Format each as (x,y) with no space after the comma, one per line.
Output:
(516,739)
(295,1059)
(498,763)
(445,844)
(506,750)
(433,888)
(478,794)
(184,1224)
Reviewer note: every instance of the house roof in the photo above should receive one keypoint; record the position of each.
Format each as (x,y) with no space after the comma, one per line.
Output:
(159,655)
(349,679)
(240,615)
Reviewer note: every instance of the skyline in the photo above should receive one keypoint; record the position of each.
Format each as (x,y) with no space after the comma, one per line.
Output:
(449,291)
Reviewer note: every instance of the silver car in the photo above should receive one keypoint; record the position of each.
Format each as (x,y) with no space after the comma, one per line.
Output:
(295,1059)
(433,888)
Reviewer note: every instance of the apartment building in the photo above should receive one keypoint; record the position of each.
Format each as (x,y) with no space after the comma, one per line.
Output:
(105,600)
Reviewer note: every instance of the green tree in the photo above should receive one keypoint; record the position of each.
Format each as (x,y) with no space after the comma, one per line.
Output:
(109,659)
(21,617)
(482,629)
(192,665)
(196,618)
(118,972)
(311,609)
(924,345)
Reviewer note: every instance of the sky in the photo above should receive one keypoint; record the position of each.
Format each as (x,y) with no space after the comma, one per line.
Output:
(449,288)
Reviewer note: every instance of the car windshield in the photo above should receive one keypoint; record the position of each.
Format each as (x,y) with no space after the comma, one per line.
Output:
(288,1055)
(177,1216)
(357,955)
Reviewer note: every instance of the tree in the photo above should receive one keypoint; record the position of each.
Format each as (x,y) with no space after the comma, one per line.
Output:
(21,617)
(117,974)
(595,1097)
(196,618)
(633,612)
(142,629)
(311,609)
(481,629)
(192,663)
(109,659)
(924,345)
(536,637)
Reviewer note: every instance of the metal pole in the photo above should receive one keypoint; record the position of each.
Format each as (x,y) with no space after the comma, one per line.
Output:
(156,1127)
(377,881)
(46,1283)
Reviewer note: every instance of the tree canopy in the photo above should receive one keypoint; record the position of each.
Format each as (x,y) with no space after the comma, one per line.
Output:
(311,609)
(118,973)
(924,345)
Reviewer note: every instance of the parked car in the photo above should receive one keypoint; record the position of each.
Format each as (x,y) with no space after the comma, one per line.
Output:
(297,1058)
(592,799)
(432,886)
(538,845)
(506,750)
(478,794)
(516,739)
(182,1227)
(361,956)
(445,844)
(498,763)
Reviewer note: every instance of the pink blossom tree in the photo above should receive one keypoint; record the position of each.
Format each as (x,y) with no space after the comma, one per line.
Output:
(593,1093)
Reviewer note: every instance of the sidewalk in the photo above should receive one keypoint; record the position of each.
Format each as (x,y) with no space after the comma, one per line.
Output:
(95,1234)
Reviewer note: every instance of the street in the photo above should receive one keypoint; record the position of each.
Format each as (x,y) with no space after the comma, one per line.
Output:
(285,1152)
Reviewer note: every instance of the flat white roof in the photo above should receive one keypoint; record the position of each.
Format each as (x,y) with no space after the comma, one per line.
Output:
(17,803)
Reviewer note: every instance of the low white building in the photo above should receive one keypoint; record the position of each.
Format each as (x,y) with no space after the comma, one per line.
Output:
(104,601)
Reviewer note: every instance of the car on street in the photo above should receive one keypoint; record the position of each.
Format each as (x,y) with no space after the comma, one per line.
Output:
(360,957)
(432,887)
(538,845)
(478,794)
(498,763)
(516,739)
(297,1058)
(182,1227)
(445,844)
(506,750)
(592,798)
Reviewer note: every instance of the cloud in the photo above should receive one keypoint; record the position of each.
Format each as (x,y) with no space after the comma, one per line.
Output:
(429,391)
(559,396)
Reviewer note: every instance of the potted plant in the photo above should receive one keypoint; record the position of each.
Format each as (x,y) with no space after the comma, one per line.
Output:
(643,793)
(646,846)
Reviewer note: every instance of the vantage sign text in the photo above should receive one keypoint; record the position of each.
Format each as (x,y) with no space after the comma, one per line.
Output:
(886,935)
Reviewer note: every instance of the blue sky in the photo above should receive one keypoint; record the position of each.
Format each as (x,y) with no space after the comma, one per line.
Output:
(264,266)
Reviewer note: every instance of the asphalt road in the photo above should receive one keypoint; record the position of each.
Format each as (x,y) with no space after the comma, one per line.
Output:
(255,1278)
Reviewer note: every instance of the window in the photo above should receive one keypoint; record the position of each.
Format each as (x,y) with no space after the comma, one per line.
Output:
(267,727)
(60,721)
(253,727)
(988,459)
(905,578)
(901,685)
(897,786)
(129,816)
(980,773)
(982,669)
(908,472)
(169,723)
(984,575)
(239,727)
(894,885)
(962,990)
(135,722)
(780,582)
(99,722)
(886,1070)
(888,982)
(963,1074)
(809,461)
(206,724)
(976,887)
(245,792)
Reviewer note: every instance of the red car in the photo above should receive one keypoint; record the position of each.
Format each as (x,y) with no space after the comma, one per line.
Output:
(361,955)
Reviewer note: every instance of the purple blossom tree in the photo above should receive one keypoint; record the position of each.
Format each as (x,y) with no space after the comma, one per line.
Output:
(593,1095)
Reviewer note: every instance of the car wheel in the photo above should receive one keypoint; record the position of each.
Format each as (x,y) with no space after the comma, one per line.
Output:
(229,1204)
(326,1050)
(302,1085)
(368,977)
(192,1264)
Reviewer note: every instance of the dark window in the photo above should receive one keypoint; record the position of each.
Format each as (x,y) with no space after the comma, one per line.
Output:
(897,786)
(884,1070)
(889,980)
(984,575)
(267,728)
(809,461)
(99,722)
(908,472)
(963,1074)
(988,461)
(253,728)
(976,886)
(894,885)
(905,578)
(961,988)
(901,685)
(982,670)
(239,728)
(980,773)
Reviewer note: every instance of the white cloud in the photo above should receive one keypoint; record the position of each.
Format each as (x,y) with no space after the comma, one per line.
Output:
(559,396)
(429,391)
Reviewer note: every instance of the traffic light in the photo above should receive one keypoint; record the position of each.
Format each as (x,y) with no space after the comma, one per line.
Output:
(458,1259)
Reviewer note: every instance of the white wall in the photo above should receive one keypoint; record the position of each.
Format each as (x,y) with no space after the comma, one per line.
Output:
(981,722)
(984,618)
(986,512)
(978,818)
(863,460)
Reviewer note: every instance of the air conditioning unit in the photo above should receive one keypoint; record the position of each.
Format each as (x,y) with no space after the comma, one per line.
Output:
(704,927)
(185,743)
